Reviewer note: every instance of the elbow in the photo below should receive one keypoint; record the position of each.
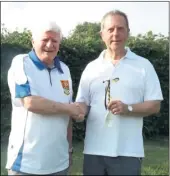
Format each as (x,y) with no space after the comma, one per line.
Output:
(156,108)
(28,103)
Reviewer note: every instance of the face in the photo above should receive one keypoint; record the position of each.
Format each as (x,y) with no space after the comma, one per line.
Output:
(115,32)
(46,46)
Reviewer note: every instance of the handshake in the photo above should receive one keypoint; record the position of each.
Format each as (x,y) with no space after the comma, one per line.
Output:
(77,111)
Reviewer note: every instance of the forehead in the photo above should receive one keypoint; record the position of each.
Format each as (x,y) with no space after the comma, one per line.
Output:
(114,21)
(47,34)
(50,34)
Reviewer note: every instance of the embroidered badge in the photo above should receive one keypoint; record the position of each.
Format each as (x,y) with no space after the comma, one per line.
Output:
(65,85)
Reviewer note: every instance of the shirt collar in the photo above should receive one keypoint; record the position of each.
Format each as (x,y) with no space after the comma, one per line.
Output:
(40,65)
(128,54)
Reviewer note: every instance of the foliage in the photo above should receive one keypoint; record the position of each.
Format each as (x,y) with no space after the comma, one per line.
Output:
(16,38)
(82,46)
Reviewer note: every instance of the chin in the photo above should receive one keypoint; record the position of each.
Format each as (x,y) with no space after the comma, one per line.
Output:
(116,46)
(113,48)
(49,55)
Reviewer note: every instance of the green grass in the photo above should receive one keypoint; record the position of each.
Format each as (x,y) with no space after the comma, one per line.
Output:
(154,163)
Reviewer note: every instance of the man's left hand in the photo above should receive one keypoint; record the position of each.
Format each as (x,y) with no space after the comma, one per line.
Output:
(117,107)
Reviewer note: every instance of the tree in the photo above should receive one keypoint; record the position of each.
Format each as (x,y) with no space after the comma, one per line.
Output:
(15,37)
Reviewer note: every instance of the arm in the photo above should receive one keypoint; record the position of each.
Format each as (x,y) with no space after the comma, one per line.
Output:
(70,133)
(69,138)
(145,109)
(42,105)
(141,109)
(21,94)
(152,96)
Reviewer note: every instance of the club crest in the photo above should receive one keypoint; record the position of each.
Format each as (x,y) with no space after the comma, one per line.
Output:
(65,85)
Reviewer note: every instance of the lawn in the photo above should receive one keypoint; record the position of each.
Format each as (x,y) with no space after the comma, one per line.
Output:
(156,160)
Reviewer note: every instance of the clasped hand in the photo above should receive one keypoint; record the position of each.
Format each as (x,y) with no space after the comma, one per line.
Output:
(77,111)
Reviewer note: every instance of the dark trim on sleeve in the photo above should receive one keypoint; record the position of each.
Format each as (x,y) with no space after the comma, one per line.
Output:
(22,90)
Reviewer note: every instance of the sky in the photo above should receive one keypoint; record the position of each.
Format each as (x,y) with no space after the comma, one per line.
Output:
(143,16)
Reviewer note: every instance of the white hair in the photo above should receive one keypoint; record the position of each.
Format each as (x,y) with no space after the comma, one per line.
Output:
(45,26)
(112,13)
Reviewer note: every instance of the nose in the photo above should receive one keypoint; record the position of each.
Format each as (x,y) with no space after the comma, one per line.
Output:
(115,31)
(49,44)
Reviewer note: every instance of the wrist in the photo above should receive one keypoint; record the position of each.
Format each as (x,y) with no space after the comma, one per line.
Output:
(129,108)
(68,110)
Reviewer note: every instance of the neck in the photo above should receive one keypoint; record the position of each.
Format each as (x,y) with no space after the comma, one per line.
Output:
(115,55)
(49,63)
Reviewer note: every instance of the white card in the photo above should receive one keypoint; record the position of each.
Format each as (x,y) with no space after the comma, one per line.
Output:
(109,119)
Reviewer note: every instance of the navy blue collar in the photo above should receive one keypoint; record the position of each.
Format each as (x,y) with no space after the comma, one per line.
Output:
(40,65)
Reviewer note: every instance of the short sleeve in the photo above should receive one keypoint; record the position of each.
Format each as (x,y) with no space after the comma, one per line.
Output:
(83,93)
(152,88)
(17,81)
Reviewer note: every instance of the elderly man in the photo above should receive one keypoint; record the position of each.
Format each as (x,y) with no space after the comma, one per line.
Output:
(123,89)
(41,91)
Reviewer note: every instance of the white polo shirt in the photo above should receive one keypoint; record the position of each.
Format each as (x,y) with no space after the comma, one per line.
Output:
(137,82)
(38,143)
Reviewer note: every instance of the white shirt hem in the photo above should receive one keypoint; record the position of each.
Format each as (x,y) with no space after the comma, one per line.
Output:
(115,154)
(33,171)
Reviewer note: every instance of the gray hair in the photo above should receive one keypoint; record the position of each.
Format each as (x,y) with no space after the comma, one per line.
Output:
(45,26)
(112,13)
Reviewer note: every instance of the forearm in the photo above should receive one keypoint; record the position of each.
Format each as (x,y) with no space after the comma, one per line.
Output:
(42,105)
(70,133)
(145,109)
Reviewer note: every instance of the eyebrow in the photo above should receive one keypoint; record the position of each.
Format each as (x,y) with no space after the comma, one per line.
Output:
(47,38)
(116,27)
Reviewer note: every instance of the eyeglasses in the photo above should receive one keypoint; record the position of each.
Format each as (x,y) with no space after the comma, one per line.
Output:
(107,90)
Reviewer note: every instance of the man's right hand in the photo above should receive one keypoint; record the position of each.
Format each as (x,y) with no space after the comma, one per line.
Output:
(75,111)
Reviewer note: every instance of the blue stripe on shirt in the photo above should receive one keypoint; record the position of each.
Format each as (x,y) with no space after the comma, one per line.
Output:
(22,90)
(17,163)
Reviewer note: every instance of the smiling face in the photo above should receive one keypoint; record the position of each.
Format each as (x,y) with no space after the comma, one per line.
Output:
(46,46)
(115,32)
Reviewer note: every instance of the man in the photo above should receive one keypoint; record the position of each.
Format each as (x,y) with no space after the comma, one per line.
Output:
(41,91)
(123,89)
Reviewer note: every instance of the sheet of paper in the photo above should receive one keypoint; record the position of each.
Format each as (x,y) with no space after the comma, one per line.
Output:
(109,119)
